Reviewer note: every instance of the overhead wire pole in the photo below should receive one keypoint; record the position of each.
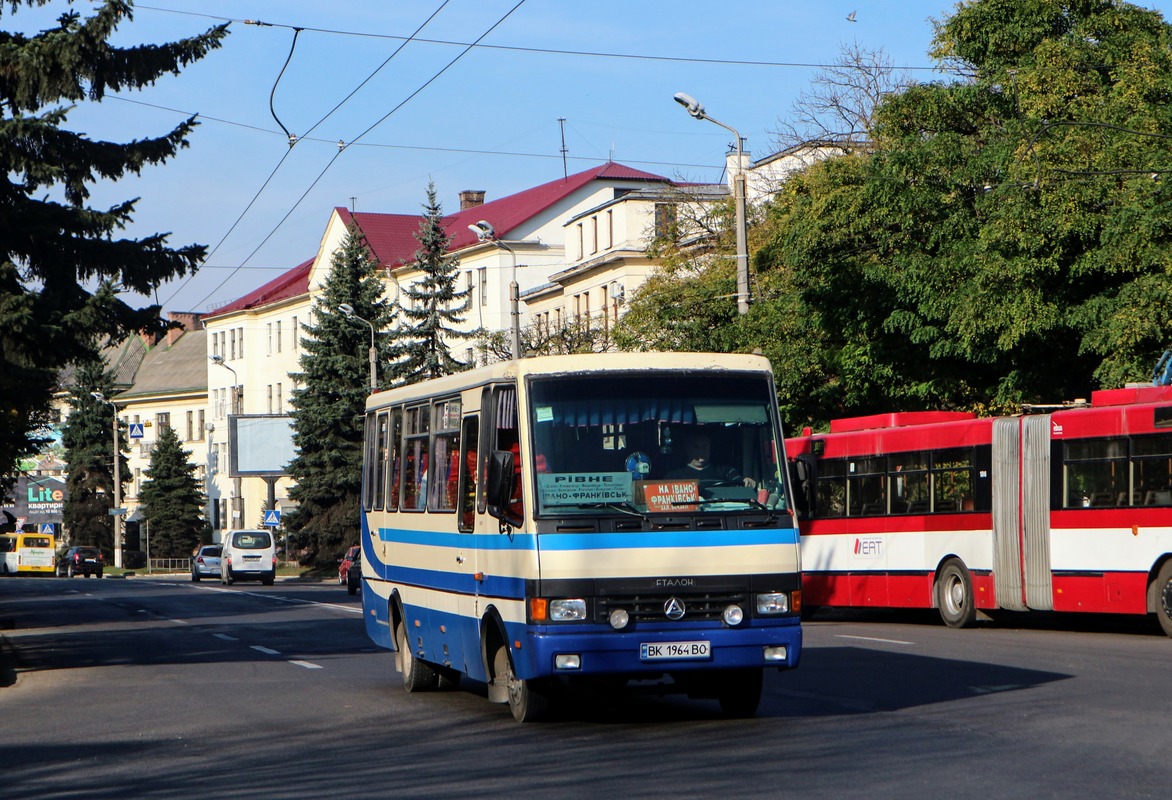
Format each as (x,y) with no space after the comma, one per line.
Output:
(116,510)
(348,310)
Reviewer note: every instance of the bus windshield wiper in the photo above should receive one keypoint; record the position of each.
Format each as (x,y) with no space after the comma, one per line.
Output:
(623,506)
(751,503)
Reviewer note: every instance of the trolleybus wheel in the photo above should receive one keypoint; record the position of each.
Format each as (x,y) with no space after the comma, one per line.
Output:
(1164,597)
(954,595)
(739,691)
(418,676)
(525,701)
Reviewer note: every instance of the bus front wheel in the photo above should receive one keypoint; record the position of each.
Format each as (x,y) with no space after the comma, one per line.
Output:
(1164,597)
(954,595)
(418,676)
(525,701)
(739,692)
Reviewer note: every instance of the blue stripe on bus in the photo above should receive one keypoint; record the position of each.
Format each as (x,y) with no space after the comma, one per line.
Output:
(458,582)
(480,541)
(674,539)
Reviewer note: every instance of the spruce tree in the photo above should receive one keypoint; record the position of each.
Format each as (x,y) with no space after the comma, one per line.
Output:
(62,265)
(330,398)
(88,438)
(435,307)
(172,502)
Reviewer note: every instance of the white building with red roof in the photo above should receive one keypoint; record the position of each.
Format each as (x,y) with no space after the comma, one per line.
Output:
(575,240)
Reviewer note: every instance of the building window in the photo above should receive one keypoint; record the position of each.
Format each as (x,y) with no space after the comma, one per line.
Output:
(215,344)
(270,390)
(241,342)
(190,426)
(280,401)
(593,235)
(296,335)
(163,420)
(581,243)
(199,417)
(269,337)
(483,275)
(232,344)
(610,228)
(278,336)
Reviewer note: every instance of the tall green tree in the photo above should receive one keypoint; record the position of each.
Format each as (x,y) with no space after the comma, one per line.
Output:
(88,438)
(330,399)
(172,502)
(435,307)
(62,263)
(1008,237)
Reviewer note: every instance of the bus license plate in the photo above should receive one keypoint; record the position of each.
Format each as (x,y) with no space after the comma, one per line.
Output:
(674,651)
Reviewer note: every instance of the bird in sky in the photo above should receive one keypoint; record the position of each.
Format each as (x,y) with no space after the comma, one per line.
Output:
(851,17)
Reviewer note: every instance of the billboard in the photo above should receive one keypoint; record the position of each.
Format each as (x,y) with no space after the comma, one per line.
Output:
(38,499)
(259,444)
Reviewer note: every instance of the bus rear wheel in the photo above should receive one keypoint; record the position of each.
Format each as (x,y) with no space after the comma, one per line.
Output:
(1164,597)
(954,595)
(418,676)
(527,703)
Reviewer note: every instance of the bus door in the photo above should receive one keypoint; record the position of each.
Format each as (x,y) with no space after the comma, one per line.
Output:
(467,563)
(1035,512)
(1007,567)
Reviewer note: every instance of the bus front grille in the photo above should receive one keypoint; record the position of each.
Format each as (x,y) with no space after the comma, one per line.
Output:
(700,606)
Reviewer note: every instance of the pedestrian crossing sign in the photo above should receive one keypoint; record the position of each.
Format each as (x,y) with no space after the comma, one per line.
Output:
(273,518)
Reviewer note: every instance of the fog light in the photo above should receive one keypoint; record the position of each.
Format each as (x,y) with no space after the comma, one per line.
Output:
(619,618)
(570,661)
(733,615)
(773,603)
(776,653)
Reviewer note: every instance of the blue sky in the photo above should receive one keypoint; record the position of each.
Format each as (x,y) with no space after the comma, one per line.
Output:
(486,119)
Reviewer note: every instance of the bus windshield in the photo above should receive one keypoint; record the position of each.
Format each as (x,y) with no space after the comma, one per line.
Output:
(654,443)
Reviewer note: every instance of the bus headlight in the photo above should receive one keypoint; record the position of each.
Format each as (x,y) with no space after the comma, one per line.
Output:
(773,603)
(733,615)
(570,610)
(619,618)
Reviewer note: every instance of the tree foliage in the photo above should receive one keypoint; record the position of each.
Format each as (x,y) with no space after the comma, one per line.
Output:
(435,307)
(62,264)
(88,438)
(1008,238)
(171,501)
(330,399)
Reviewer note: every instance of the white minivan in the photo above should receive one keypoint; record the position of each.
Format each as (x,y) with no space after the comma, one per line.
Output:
(248,555)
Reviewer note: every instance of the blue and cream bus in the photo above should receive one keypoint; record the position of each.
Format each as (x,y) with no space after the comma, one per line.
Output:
(579,521)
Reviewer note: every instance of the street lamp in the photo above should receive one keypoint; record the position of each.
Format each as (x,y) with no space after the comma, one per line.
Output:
(696,110)
(219,359)
(486,233)
(348,310)
(117,510)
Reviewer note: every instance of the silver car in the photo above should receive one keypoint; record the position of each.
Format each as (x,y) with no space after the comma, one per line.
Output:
(206,563)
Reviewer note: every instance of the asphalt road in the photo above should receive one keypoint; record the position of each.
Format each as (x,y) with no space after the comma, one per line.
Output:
(168,689)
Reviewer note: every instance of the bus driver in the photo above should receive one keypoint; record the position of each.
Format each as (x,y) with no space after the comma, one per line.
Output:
(700,466)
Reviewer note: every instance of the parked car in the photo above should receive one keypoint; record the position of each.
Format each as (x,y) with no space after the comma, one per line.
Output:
(354,574)
(80,561)
(344,563)
(206,562)
(248,555)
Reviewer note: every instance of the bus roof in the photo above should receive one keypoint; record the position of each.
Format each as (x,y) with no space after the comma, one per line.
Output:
(573,364)
(899,419)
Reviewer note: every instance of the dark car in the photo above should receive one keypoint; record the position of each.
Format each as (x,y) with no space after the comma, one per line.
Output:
(80,561)
(354,573)
(344,563)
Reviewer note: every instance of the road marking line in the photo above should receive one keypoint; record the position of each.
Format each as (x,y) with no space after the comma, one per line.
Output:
(306,664)
(266,650)
(293,600)
(225,637)
(873,639)
(178,621)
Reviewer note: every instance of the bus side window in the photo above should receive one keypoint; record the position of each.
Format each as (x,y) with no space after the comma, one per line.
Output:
(468,443)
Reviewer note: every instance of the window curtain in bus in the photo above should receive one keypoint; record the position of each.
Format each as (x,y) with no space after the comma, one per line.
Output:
(590,412)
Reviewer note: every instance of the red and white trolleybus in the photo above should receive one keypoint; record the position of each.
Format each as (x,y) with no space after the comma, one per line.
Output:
(1063,511)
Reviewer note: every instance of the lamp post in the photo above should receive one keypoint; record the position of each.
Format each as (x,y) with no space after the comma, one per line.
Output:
(486,233)
(116,511)
(696,110)
(348,310)
(218,359)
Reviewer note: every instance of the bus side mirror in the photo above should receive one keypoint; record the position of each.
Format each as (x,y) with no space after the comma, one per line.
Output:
(499,488)
(802,472)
